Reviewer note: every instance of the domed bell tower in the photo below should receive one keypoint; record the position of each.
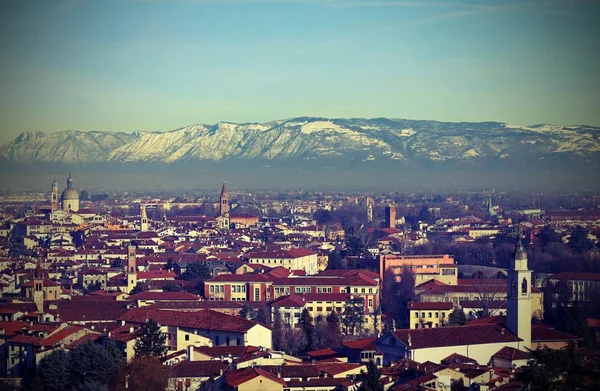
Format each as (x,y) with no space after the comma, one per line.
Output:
(519,294)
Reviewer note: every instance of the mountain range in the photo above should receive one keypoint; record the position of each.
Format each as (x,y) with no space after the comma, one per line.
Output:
(333,144)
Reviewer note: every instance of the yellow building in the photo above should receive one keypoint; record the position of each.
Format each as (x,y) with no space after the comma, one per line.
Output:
(429,315)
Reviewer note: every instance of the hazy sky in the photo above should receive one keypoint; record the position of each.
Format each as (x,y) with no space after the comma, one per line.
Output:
(158,64)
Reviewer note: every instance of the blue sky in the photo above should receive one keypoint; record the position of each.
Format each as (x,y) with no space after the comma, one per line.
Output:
(159,65)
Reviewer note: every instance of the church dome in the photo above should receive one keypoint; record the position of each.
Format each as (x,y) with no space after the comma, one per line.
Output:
(70,194)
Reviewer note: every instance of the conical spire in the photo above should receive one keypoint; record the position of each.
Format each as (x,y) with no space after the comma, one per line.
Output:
(520,255)
(223,189)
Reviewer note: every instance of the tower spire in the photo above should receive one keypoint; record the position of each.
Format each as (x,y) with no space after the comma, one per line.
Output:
(224,201)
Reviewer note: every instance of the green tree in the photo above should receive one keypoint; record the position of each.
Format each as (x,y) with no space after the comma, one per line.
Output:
(335,261)
(550,369)
(333,329)
(308,328)
(579,241)
(196,270)
(143,373)
(277,329)
(263,315)
(370,378)
(172,288)
(151,341)
(424,214)
(457,317)
(53,371)
(247,312)
(405,293)
(354,315)
(84,195)
(90,362)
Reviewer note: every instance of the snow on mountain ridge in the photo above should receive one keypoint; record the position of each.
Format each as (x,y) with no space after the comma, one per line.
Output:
(309,138)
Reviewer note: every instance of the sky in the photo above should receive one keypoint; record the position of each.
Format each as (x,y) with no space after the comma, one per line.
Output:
(125,65)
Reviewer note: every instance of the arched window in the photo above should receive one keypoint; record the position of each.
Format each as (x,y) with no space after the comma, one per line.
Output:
(524,287)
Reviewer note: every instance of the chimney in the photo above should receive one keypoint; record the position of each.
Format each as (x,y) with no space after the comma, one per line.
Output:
(220,372)
(502,331)
(131,329)
(190,352)
(278,374)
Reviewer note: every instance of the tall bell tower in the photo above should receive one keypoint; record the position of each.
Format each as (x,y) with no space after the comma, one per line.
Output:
(143,218)
(54,201)
(519,294)
(224,201)
(131,273)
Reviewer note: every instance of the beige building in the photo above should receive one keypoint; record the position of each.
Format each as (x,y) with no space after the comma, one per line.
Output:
(291,259)
(428,315)
(424,267)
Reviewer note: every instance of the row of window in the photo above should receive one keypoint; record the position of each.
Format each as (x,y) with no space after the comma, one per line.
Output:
(216,288)
(429,314)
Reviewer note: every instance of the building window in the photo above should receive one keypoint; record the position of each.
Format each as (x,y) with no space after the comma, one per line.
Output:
(227,340)
(238,341)
(256,294)
(187,337)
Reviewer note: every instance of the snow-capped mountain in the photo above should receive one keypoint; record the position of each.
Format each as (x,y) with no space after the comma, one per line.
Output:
(305,138)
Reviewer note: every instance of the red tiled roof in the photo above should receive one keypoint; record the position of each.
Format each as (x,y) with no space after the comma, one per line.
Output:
(164,296)
(293,371)
(333,369)
(430,305)
(576,276)
(156,274)
(12,328)
(508,353)
(27,340)
(456,336)
(292,300)
(191,369)
(235,378)
(543,333)
(91,310)
(205,319)
(225,351)
(363,344)
(326,383)
(414,384)
(280,254)
(321,352)
(456,358)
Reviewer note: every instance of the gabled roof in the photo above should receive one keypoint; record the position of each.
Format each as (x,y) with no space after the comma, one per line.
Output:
(453,336)
(235,378)
(510,354)
(363,344)
(456,358)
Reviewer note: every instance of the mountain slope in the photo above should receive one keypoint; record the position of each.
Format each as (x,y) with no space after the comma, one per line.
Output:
(70,146)
(305,138)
